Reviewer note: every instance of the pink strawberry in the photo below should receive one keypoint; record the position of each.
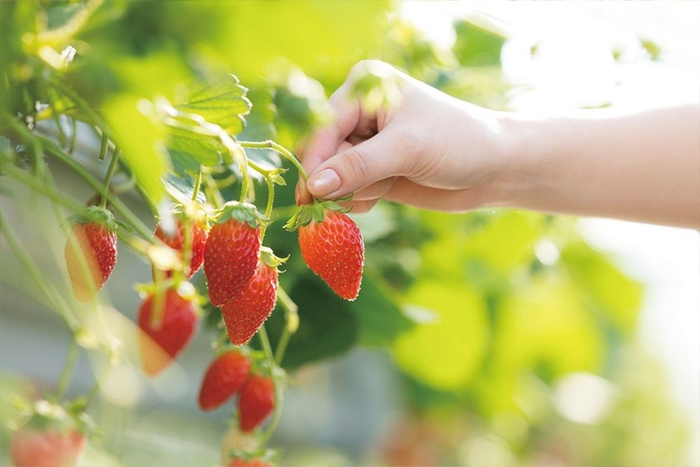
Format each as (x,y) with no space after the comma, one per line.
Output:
(332,246)
(231,252)
(91,251)
(253,304)
(225,377)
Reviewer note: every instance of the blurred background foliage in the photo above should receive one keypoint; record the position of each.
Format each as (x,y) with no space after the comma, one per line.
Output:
(508,339)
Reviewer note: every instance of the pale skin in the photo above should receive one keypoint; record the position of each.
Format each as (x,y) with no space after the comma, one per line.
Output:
(435,152)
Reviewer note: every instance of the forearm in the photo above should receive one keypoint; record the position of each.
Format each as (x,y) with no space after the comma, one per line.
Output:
(642,167)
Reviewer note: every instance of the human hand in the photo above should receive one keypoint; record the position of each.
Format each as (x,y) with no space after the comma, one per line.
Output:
(427,149)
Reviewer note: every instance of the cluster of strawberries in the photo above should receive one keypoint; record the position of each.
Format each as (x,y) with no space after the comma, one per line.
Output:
(242,281)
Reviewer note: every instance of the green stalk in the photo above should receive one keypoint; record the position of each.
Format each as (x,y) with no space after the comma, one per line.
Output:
(108,176)
(292,317)
(61,307)
(83,173)
(278,148)
(32,182)
(279,397)
(68,369)
(197,185)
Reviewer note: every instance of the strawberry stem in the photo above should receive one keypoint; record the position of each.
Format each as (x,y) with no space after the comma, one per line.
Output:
(278,148)
(45,285)
(68,370)
(197,185)
(108,177)
(292,317)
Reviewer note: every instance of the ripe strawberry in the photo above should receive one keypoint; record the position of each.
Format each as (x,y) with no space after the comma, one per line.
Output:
(46,448)
(256,402)
(179,240)
(91,251)
(51,438)
(231,252)
(332,246)
(240,462)
(167,321)
(224,378)
(253,304)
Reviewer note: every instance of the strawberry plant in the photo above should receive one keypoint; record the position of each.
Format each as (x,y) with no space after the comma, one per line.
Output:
(146,199)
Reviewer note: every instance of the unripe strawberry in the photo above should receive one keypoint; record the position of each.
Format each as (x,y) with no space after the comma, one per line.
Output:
(253,304)
(225,377)
(256,402)
(91,251)
(167,321)
(332,246)
(179,240)
(231,252)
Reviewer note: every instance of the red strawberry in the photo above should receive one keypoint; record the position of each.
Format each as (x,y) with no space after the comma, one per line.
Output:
(167,321)
(240,462)
(332,246)
(51,438)
(256,402)
(231,252)
(91,251)
(253,304)
(46,448)
(178,240)
(224,378)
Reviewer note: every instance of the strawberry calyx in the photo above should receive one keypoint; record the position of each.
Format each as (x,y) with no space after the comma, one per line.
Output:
(241,212)
(97,215)
(316,212)
(50,416)
(269,258)
(258,457)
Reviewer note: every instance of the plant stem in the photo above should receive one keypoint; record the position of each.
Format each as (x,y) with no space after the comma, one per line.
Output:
(68,369)
(197,185)
(279,149)
(61,307)
(108,176)
(81,171)
(279,397)
(292,317)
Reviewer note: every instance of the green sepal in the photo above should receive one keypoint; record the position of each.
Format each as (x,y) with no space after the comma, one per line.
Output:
(98,215)
(269,258)
(316,212)
(242,212)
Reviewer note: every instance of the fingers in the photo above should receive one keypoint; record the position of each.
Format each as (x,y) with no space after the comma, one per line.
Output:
(359,166)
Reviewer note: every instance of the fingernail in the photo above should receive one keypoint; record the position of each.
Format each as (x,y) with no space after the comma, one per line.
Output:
(324,182)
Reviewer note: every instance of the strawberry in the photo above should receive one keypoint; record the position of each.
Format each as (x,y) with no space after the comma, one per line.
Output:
(231,252)
(51,438)
(256,402)
(224,378)
(91,251)
(253,304)
(332,246)
(181,239)
(241,462)
(168,321)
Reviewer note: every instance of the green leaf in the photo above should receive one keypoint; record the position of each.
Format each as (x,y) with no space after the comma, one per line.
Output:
(476,45)
(326,326)
(615,295)
(190,150)
(139,138)
(448,352)
(223,103)
(380,318)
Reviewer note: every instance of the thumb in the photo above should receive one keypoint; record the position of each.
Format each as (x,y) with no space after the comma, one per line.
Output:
(357,167)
